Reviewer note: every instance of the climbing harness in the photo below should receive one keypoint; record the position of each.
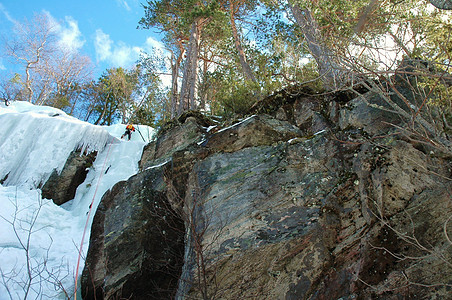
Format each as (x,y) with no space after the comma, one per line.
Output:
(87,219)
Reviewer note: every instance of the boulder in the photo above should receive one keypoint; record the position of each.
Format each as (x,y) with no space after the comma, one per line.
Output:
(368,113)
(255,208)
(179,137)
(176,136)
(148,156)
(61,187)
(251,132)
(308,116)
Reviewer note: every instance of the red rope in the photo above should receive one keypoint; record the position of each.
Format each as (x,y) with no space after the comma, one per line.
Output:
(87,221)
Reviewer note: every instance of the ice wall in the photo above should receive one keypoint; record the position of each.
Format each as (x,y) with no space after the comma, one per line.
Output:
(34,140)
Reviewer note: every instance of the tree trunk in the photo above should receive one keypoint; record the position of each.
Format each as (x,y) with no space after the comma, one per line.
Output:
(246,69)
(174,78)
(332,75)
(188,89)
(204,87)
(89,112)
(28,82)
(104,110)
(102,114)
(73,106)
(174,71)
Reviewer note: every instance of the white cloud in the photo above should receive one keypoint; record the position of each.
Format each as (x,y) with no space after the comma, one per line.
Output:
(2,66)
(120,54)
(124,4)
(124,55)
(137,49)
(116,54)
(69,35)
(68,32)
(7,15)
(153,43)
(102,44)
(53,23)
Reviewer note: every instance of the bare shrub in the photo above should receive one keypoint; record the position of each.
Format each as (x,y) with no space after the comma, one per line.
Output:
(36,276)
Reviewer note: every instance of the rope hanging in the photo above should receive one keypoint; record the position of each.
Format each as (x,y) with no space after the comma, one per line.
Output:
(87,221)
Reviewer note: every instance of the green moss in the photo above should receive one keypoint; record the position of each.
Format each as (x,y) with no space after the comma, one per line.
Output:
(288,95)
(344,177)
(227,168)
(167,126)
(201,119)
(110,234)
(237,176)
(110,238)
(192,135)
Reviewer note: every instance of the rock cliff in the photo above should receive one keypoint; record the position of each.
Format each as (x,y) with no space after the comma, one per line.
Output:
(309,197)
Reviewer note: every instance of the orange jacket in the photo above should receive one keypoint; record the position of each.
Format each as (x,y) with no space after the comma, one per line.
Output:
(130,127)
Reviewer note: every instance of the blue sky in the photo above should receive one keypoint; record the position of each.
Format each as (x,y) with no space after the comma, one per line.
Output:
(105,30)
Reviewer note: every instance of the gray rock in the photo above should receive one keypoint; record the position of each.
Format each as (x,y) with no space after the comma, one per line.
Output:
(253,131)
(137,242)
(61,187)
(308,117)
(305,204)
(179,137)
(372,115)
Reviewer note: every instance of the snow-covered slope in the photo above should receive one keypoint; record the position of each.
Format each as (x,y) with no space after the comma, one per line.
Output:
(39,240)
(34,142)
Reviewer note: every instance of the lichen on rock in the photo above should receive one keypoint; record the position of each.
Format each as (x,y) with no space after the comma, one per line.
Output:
(305,198)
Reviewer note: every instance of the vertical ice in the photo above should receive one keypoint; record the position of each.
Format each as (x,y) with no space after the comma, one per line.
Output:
(32,145)
(35,140)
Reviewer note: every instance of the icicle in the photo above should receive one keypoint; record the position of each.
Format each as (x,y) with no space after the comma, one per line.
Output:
(33,144)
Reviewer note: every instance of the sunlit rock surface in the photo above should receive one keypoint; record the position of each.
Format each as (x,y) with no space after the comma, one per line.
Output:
(307,198)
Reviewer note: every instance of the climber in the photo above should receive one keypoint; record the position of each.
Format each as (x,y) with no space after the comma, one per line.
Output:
(129,129)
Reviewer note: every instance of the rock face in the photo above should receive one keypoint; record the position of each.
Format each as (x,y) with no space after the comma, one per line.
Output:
(61,187)
(136,244)
(306,199)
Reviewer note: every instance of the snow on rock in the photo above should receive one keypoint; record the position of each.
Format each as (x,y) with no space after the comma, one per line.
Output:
(34,140)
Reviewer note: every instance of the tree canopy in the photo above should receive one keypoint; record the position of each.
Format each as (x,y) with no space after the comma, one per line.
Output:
(224,55)
(51,72)
(236,48)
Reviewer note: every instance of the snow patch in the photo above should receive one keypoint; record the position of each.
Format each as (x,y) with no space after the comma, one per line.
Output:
(158,166)
(33,144)
(320,132)
(35,140)
(237,124)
